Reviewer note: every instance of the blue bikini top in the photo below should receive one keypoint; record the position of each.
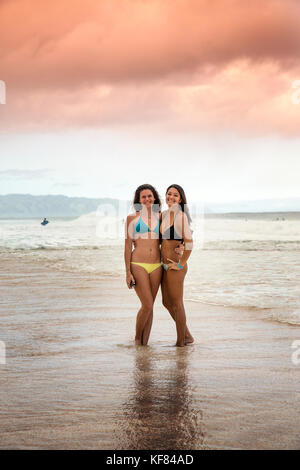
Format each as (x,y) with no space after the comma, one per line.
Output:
(141,227)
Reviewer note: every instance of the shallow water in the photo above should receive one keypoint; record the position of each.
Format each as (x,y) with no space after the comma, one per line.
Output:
(73,378)
(248,261)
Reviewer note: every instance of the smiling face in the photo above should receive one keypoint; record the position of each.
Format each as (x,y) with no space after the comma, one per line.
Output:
(172,197)
(147,197)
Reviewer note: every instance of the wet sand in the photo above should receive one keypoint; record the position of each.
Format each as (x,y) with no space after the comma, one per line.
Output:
(74,380)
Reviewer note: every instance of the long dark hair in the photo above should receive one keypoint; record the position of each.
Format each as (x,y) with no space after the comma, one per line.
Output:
(183,202)
(136,199)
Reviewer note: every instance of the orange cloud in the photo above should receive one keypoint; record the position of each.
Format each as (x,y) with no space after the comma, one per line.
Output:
(192,64)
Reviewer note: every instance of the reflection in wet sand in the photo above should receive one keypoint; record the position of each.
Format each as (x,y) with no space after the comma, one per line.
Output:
(161,412)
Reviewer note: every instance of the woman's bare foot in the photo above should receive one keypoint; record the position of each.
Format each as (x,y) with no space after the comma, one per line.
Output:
(180,344)
(188,339)
(138,342)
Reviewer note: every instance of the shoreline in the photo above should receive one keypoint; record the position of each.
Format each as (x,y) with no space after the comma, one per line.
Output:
(73,378)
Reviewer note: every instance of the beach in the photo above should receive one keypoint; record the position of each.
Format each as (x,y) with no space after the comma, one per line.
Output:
(129,128)
(73,378)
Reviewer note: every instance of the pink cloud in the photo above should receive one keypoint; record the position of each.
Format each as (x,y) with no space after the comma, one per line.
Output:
(193,64)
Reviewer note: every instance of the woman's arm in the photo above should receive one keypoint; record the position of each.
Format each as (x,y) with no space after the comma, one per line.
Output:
(188,245)
(127,251)
(188,240)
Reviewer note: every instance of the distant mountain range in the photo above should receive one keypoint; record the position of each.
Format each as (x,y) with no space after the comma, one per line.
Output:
(259,205)
(27,206)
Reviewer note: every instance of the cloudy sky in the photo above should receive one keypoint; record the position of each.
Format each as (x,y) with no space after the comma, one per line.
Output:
(102,96)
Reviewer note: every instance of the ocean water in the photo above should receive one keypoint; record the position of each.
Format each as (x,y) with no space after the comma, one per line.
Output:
(245,260)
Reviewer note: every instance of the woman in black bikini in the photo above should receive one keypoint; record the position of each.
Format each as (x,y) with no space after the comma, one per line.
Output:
(175,229)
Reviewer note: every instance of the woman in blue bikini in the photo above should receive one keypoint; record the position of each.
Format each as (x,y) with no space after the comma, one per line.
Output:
(143,264)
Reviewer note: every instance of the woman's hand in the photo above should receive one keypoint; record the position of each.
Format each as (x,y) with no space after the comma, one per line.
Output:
(179,250)
(172,265)
(129,279)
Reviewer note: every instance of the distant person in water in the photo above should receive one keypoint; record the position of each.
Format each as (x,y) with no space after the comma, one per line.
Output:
(45,221)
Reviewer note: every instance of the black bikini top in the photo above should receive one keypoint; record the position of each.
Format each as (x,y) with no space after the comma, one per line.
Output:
(171,234)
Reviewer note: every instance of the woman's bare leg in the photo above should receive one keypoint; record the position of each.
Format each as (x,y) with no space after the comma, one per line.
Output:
(188,339)
(147,330)
(155,279)
(173,286)
(143,289)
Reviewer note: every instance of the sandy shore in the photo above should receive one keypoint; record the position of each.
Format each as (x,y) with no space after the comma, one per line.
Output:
(74,380)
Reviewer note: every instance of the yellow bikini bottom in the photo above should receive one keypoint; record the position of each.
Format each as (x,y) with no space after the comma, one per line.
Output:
(149,267)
